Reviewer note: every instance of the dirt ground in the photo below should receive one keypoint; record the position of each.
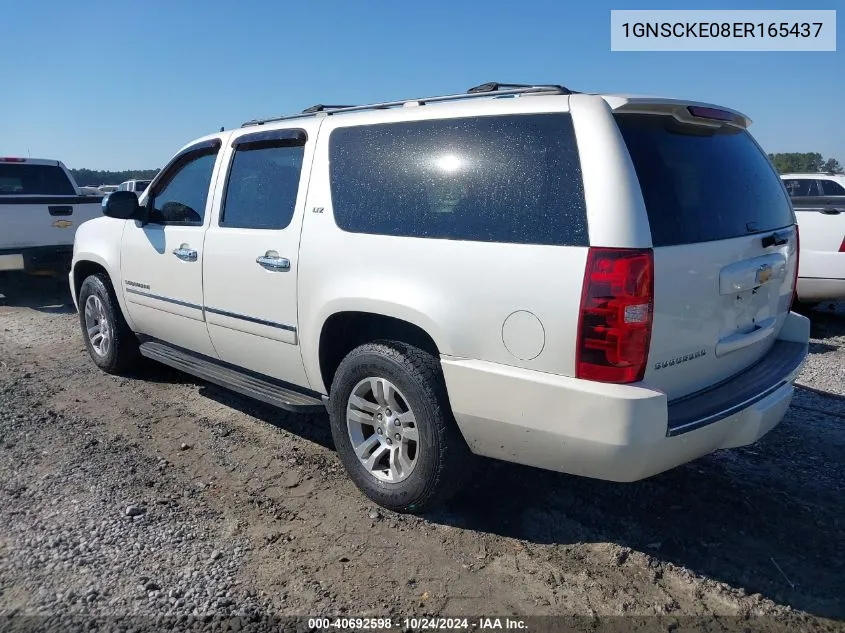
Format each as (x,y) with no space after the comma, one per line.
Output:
(243,510)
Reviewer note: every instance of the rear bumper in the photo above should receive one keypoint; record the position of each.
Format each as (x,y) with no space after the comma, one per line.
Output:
(810,289)
(37,258)
(617,432)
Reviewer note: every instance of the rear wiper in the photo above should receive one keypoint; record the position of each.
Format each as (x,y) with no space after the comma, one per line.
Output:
(775,239)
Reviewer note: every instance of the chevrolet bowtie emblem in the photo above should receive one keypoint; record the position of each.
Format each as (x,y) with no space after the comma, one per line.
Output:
(764,273)
(62,224)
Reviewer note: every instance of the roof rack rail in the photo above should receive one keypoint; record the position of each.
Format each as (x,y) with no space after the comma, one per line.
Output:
(482,90)
(323,108)
(494,86)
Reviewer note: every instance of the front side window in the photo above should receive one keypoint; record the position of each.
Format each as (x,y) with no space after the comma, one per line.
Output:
(182,197)
(262,186)
(801,187)
(512,179)
(832,188)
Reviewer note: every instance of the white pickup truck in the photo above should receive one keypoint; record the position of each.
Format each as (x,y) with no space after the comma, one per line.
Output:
(40,209)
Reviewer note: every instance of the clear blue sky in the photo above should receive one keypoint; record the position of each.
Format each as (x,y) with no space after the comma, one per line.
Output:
(122,85)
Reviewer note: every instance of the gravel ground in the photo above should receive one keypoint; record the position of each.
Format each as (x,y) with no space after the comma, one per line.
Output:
(157,496)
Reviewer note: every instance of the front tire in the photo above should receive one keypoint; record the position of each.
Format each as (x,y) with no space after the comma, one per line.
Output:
(111,343)
(393,427)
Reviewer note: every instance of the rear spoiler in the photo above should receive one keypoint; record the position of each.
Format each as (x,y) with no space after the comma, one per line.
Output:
(692,112)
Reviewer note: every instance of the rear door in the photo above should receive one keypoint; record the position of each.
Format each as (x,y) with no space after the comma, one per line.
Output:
(724,248)
(820,209)
(251,253)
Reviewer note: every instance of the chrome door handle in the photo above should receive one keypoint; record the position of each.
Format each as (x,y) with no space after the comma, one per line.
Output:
(271,261)
(185,253)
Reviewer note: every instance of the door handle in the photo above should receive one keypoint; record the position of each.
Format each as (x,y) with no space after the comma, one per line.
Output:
(831,211)
(63,210)
(271,261)
(185,253)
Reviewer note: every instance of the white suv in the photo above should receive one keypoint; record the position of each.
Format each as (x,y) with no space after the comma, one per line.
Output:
(819,203)
(592,284)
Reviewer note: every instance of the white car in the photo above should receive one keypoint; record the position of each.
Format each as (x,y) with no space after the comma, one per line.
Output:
(571,281)
(137,186)
(41,208)
(819,203)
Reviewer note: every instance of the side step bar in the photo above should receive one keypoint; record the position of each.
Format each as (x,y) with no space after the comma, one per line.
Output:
(243,383)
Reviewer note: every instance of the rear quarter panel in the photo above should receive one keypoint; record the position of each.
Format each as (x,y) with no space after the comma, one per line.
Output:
(460,292)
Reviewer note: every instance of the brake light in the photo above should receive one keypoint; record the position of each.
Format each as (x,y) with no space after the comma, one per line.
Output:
(617,304)
(710,113)
(842,246)
(797,261)
(9,159)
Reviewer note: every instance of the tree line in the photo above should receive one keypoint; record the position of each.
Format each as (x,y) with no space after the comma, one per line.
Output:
(804,162)
(97,177)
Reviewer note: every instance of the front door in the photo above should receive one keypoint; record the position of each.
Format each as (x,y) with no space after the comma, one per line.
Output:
(162,260)
(251,254)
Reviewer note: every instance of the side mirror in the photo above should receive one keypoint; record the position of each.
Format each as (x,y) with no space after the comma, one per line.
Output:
(122,205)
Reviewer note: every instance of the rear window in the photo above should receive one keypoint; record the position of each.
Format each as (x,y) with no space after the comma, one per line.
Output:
(514,179)
(141,185)
(701,184)
(22,179)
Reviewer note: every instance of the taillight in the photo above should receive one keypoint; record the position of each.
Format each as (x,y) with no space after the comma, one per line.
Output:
(842,246)
(795,274)
(617,302)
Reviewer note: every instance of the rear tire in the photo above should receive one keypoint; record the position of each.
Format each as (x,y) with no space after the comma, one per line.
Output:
(393,427)
(111,343)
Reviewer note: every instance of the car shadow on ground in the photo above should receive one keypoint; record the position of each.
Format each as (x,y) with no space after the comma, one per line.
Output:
(740,516)
(49,294)
(312,427)
(827,321)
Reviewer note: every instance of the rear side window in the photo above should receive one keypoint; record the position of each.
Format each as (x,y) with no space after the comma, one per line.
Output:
(832,188)
(701,184)
(801,187)
(514,179)
(23,179)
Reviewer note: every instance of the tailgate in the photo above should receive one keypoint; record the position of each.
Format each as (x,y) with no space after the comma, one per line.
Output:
(32,221)
(724,248)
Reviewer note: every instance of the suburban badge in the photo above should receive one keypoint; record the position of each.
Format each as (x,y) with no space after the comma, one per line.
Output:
(680,359)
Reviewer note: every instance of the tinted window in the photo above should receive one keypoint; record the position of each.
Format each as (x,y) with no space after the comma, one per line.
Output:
(141,185)
(23,179)
(510,179)
(801,187)
(262,187)
(832,188)
(701,184)
(183,197)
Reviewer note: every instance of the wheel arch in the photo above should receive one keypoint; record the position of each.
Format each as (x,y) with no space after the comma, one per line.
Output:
(344,330)
(91,264)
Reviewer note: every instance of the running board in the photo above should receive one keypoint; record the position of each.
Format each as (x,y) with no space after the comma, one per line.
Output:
(243,383)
